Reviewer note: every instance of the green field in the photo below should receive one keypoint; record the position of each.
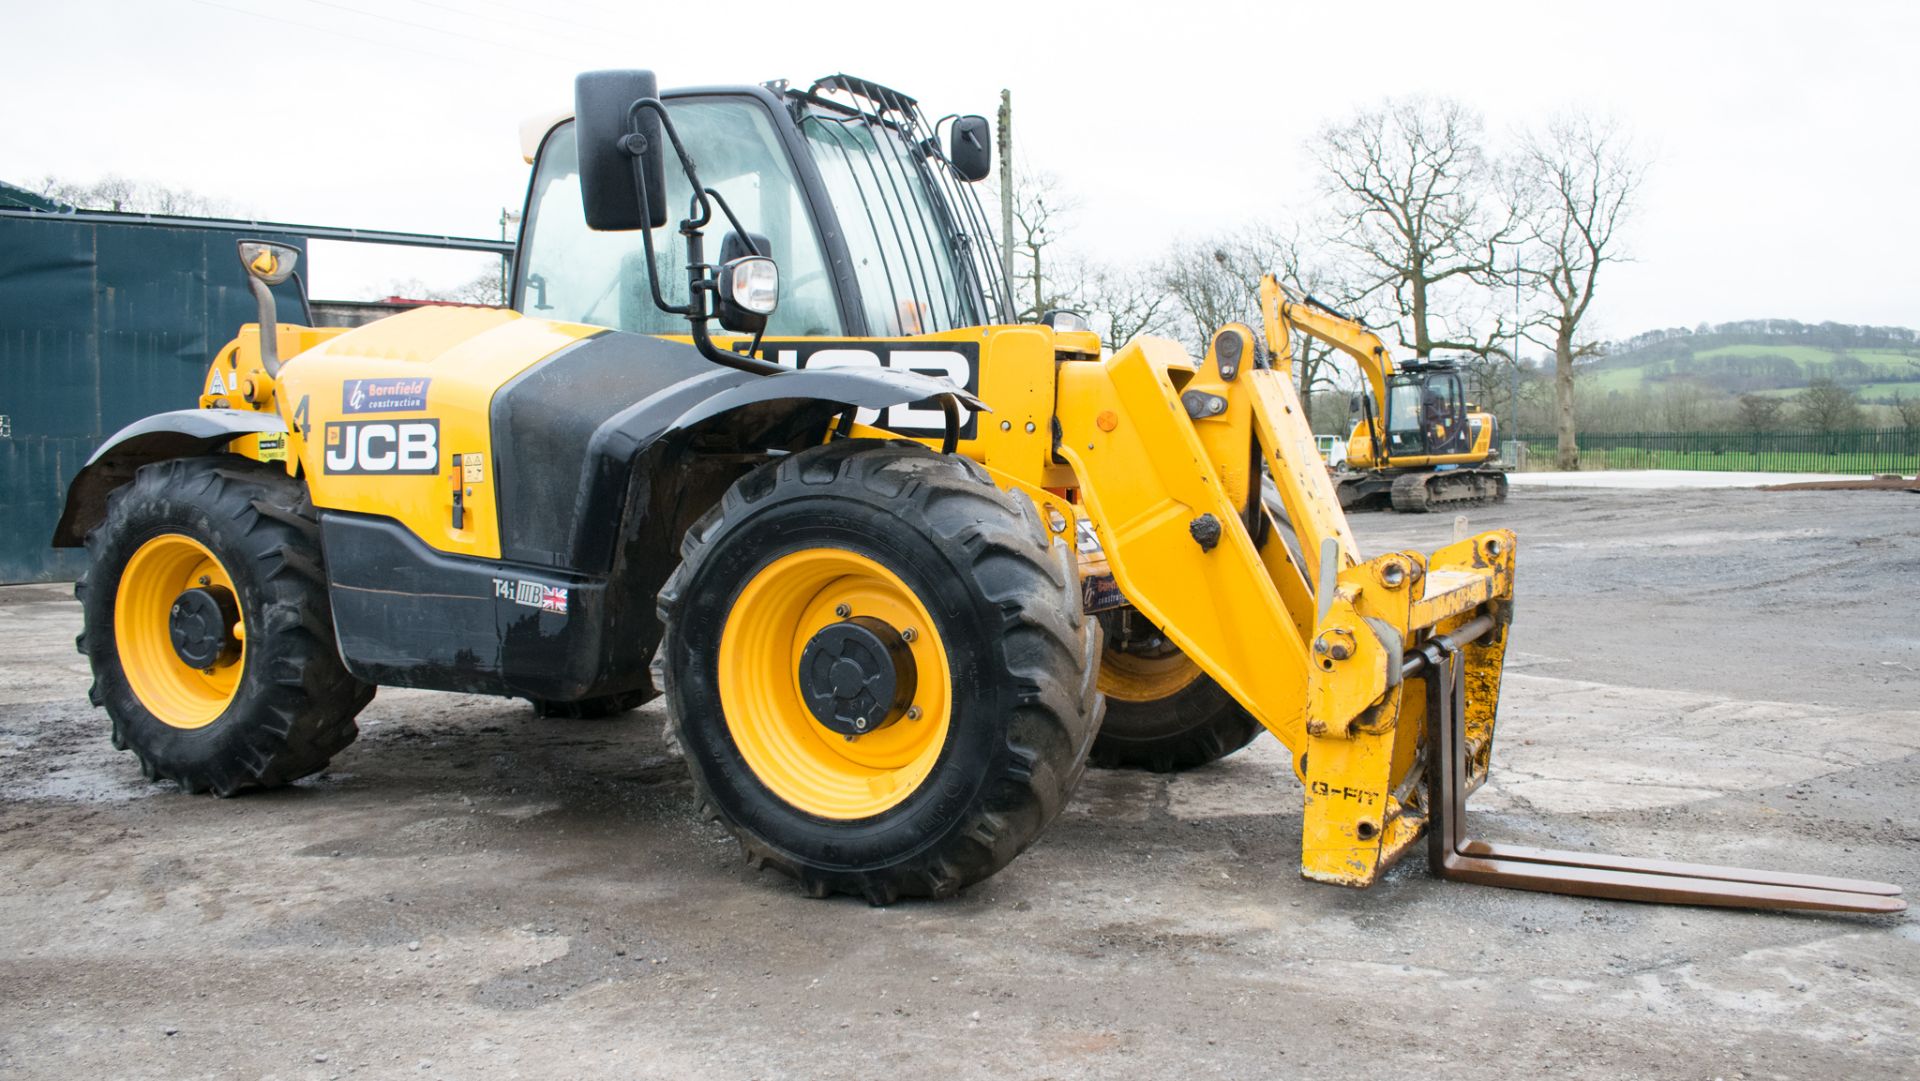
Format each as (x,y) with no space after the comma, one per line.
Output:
(1611,379)
(1868,392)
(1800,354)
(1632,376)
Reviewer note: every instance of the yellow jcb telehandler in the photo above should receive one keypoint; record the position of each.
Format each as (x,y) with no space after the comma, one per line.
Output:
(837,502)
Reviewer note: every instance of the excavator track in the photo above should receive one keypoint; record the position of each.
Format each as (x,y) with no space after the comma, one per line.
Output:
(1415,493)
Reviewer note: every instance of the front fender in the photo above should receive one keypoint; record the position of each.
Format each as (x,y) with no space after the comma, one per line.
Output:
(864,388)
(182,433)
(762,409)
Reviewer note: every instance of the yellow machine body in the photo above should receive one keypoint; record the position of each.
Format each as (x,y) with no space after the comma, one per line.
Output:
(482,500)
(1320,673)
(1364,437)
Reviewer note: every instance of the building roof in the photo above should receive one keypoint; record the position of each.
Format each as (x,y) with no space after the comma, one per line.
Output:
(24,199)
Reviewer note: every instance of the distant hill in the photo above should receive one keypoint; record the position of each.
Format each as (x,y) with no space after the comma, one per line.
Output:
(1765,356)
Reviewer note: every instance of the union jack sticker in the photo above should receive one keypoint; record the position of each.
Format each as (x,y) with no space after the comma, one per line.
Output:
(531,594)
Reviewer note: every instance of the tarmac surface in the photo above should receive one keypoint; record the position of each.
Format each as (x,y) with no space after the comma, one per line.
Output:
(1728,676)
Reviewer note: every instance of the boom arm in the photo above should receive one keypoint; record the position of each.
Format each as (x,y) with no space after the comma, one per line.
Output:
(1381,676)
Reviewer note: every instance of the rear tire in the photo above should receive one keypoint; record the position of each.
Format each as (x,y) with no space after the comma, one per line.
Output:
(1005,660)
(278,704)
(1165,715)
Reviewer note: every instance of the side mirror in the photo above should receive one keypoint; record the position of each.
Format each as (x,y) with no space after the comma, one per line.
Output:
(610,134)
(970,148)
(271,263)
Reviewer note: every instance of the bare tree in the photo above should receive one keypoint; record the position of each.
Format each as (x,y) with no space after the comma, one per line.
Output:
(115,192)
(1826,406)
(1122,303)
(1577,183)
(1040,210)
(483,288)
(1216,281)
(1684,407)
(1415,199)
(1760,413)
(1907,410)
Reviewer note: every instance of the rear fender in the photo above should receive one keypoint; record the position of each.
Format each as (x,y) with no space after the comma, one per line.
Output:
(179,434)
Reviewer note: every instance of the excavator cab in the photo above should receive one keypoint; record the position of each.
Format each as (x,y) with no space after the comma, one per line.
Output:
(1426,412)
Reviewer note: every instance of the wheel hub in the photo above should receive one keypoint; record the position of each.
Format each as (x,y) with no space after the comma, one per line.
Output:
(200,625)
(857,676)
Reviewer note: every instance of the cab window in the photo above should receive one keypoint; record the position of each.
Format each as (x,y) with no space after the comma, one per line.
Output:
(1403,407)
(573,273)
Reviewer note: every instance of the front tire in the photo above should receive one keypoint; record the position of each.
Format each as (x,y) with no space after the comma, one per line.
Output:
(980,663)
(215,561)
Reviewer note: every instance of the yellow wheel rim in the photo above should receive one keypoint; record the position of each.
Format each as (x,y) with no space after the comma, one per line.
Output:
(800,760)
(1130,677)
(172,690)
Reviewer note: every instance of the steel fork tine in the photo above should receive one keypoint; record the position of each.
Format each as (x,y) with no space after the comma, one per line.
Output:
(1453,855)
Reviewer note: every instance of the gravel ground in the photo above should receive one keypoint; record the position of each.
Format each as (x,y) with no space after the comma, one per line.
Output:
(468,892)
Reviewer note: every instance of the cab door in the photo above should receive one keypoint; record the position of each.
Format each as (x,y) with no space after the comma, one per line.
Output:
(1445,422)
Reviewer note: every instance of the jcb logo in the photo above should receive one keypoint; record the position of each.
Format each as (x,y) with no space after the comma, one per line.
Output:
(958,362)
(406,446)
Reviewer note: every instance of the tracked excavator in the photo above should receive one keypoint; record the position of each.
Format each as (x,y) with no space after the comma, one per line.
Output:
(1416,444)
(899,563)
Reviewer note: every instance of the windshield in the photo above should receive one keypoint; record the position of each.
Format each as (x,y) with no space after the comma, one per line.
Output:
(894,225)
(582,276)
(1403,406)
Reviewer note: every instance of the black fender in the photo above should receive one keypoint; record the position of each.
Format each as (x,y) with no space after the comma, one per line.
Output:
(571,432)
(779,413)
(685,405)
(863,388)
(182,433)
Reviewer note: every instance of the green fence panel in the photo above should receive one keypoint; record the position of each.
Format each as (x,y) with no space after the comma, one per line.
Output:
(1859,451)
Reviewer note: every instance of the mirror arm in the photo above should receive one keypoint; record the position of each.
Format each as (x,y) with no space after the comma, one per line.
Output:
(745,236)
(646,234)
(700,287)
(700,283)
(269,326)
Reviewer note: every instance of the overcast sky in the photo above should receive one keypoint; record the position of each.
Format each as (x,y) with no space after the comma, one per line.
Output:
(1785,146)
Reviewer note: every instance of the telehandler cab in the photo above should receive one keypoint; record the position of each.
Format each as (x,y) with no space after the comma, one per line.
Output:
(891,557)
